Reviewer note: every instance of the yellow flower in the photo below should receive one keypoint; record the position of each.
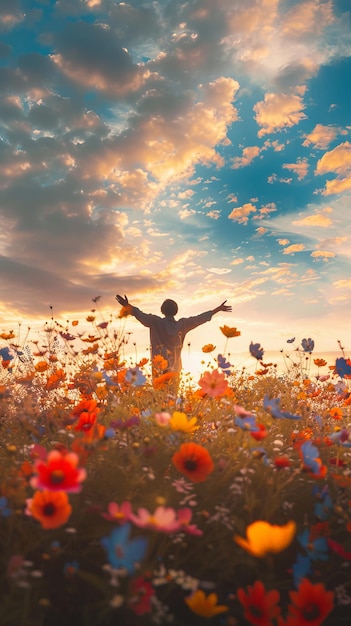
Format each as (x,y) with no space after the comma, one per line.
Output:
(263,538)
(179,421)
(205,606)
(230,332)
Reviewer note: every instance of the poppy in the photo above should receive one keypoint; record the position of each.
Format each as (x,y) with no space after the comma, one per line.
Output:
(260,606)
(51,508)
(259,434)
(263,538)
(141,593)
(230,332)
(194,461)
(336,413)
(311,603)
(205,606)
(59,472)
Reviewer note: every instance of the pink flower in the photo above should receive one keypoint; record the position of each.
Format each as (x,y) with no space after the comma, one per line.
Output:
(239,410)
(119,513)
(213,383)
(184,518)
(163,519)
(163,418)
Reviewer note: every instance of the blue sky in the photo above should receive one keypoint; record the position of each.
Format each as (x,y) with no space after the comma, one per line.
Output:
(195,150)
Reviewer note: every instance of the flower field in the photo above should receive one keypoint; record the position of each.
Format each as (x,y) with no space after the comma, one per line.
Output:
(127,500)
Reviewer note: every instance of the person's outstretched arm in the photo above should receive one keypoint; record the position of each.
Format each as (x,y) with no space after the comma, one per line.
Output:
(222,307)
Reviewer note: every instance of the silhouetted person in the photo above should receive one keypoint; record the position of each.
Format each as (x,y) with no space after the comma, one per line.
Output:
(166,333)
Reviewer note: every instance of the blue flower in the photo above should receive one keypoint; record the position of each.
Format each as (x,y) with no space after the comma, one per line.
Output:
(256,351)
(301,569)
(223,363)
(123,553)
(5,511)
(6,354)
(135,377)
(272,406)
(317,549)
(307,345)
(247,423)
(343,367)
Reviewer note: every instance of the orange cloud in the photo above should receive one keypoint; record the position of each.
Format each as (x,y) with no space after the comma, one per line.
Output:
(241,213)
(321,136)
(300,168)
(314,220)
(248,155)
(278,111)
(296,247)
(337,160)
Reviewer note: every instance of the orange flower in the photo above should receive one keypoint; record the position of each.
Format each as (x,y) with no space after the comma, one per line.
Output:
(319,362)
(260,605)
(159,363)
(213,383)
(41,366)
(336,413)
(90,318)
(259,434)
(60,472)
(162,381)
(55,379)
(194,461)
(51,508)
(263,538)
(311,603)
(230,332)
(90,339)
(209,347)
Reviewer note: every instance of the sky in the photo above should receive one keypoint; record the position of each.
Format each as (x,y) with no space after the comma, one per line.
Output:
(199,151)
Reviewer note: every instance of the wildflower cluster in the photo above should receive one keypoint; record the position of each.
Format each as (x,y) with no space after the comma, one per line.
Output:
(126,500)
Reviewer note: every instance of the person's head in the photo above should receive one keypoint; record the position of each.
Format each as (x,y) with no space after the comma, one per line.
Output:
(169,308)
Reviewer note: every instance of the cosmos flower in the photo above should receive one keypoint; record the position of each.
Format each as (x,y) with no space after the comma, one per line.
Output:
(260,606)
(311,604)
(184,518)
(164,519)
(263,538)
(209,347)
(51,508)
(141,592)
(213,383)
(180,422)
(194,461)
(230,332)
(59,472)
(256,351)
(120,513)
(123,553)
(205,606)
(307,345)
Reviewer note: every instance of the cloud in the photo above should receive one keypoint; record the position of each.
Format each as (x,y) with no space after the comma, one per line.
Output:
(219,270)
(324,254)
(318,219)
(296,247)
(300,168)
(321,136)
(337,160)
(240,214)
(249,154)
(277,112)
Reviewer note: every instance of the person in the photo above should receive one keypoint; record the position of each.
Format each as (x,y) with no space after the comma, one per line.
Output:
(166,333)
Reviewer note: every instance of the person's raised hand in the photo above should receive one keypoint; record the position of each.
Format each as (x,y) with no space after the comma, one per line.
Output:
(122,301)
(225,307)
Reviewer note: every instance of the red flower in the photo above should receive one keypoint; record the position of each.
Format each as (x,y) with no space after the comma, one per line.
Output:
(311,604)
(194,461)
(58,473)
(141,592)
(260,605)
